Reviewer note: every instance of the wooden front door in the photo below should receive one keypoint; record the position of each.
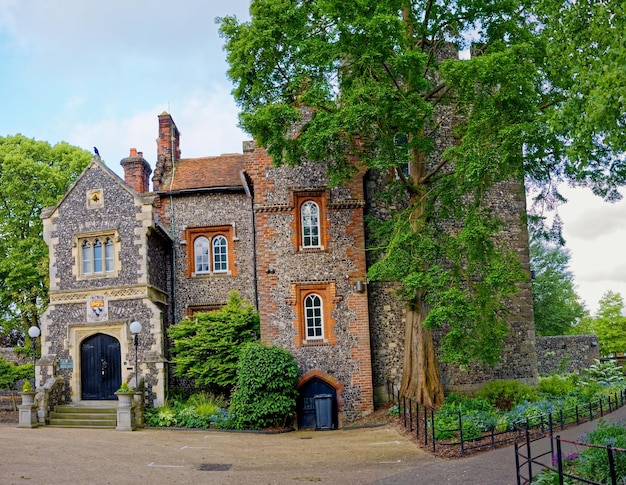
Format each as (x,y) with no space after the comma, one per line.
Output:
(101,367)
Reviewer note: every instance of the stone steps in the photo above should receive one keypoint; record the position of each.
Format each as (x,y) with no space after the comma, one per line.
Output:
(72,416)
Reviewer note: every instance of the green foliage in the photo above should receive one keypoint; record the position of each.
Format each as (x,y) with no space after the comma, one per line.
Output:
(477,416)
(557,385)
(530,104)
(207,347)
(124,388)
(557,307)
(199,411)
(604,373)
(594,463)
(394,411)
(161,417)
(609,324)
(504,394)
(33,175)
(265,395)
(11,374)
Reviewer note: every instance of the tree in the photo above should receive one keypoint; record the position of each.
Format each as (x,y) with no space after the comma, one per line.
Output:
(206,348)
(373,85)
(609,324)
(556,305)
(33,175)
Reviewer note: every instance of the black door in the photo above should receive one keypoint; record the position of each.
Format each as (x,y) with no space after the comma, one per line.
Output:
(307,418)
(101,367)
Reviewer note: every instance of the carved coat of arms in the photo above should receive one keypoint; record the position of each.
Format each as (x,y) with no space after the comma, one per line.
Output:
(97,308)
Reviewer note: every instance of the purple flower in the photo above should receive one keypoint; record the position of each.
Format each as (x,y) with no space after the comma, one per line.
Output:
(572,456)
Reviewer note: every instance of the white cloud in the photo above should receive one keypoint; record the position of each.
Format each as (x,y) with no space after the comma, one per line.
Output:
(207,121)
(595,232)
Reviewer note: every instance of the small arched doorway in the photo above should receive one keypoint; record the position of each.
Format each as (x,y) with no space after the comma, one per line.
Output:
(100,367)
(310,392)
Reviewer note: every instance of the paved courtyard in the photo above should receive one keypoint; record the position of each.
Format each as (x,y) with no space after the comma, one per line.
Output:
(90,456)
(379,455)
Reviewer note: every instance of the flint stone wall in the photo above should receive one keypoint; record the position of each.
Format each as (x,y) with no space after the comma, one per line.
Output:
(566,353)
(205,210)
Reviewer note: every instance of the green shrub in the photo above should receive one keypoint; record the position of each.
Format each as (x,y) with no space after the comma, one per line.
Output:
(557,385)
(161,417)
(504,394)
(207,347)
(604,373)
(199,411)
(265,394)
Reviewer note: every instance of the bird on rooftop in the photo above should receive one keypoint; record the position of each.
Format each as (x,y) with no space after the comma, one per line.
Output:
(95,149)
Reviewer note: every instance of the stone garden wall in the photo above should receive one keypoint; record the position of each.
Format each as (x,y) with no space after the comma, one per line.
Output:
(566,353)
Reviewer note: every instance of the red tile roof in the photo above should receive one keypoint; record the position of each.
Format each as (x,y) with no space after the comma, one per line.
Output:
(206,172)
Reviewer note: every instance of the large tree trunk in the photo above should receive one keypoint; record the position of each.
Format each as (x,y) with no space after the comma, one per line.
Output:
(420,374)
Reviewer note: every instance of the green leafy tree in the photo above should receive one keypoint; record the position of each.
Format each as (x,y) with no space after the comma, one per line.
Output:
(11,374)
(265,395)
(33,175)
(609,324)
(206,348)
(556,305)
(373,85)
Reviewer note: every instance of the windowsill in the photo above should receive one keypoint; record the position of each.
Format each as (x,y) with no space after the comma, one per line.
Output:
(317,249)
(315,343)
(96,276)
(210,275)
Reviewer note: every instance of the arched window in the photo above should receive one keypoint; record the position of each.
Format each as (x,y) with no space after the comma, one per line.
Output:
(86,256)
(309,213)
(201,253)
(313,317)
(97,256)
(210,251)
(109,264)
(220,254)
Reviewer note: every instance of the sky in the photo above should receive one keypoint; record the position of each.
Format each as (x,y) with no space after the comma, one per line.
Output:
(98,73)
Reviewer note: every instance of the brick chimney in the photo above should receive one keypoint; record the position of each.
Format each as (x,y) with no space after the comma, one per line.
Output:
(168,148)
(137,171)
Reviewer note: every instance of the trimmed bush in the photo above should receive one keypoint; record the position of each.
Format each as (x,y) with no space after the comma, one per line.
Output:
(265,394)
(504,394)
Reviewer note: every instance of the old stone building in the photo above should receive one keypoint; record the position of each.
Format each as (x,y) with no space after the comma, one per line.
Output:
(289,244)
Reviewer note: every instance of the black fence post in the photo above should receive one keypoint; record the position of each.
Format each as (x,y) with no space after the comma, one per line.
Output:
(461,433)
(425,425)
(410,415)
(559,459)
(551,432)
(404,398)
(432,424)
(517,473)
(529,456)
(611,458)
(417,420)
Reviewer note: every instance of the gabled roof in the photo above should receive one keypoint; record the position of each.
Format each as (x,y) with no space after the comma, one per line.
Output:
(97,162)
(221,172)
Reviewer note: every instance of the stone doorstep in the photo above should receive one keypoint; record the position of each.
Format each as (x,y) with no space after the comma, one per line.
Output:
(101,414)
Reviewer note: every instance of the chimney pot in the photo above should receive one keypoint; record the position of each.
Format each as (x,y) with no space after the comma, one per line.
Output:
(133,152)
